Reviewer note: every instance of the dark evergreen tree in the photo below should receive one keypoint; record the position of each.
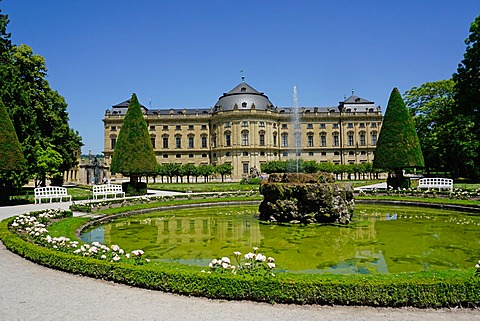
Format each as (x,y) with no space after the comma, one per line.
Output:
(467,99)
(11,155)
(133,155)
(398,146)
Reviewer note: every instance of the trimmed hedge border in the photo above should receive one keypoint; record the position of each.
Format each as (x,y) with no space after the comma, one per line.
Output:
(421,289)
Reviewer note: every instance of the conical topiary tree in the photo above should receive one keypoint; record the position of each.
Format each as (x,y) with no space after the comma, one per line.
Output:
(398,146)
(133,154)
(11,154)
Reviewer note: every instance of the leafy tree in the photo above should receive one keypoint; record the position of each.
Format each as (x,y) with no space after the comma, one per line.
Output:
(224,169)
(206,171)
(398,146)
(133,155)
(431,106)
(49,162)
(467,98)
(310,166)
(188,170)
(38,112)
(11,155)
(171,170)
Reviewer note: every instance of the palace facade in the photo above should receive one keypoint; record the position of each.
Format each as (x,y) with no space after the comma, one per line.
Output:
(245,129)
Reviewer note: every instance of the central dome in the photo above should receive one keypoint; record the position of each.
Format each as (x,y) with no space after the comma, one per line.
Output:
(243,97)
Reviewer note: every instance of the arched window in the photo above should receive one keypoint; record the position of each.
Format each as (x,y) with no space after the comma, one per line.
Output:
(228,138)
(374,138)
(336,139)
(261,138)
(323,139)
(362,138)
(152,139)
(350,137)
(178,141)
(245,138)
(284,139)
(165,141)
(191,141)
(113,141)
(310,140)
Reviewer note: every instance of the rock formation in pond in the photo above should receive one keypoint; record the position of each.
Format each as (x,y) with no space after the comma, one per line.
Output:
(306,198)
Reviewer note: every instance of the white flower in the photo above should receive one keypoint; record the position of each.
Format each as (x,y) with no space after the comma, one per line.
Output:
(116,258)
(225,265)
(103,257)
(226,259)
(127,255)
(214,261)
(255,248)
(271,265)
(260,257)
(147,260)
(237,253)
(249,256)
(210,265)
(477,266)
(271,259)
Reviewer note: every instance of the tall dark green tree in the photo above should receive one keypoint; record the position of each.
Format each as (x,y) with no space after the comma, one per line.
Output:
(398,146)
(133,155)
(11,155)
(467,98)
(431,106)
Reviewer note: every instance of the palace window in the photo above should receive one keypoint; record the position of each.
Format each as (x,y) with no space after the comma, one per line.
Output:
(165,127)
(152,128)
(152,139)
(361,125)
(228,154)
(165,142)
(335,125)
(178,156)
(324,153)
(191,140)
(322,126)
(336,141)
(350,138)
(374,125)
(190,127)
(262,153)
(284,140)
(310,126)
(204,127)
(244,153)
(374,138)
(323,139)
(245,138)
(310,140)
(274,139)
(204,141)
(190,155)
(204,155)
(178,142)
(244,123)
(178,127)
(113,128)
(285,154)
(165,155)
(362,138)
(228,141)
(214,141)
(113,141)
(261,124)
(310,154)
(262,138)
(228,125)
(350,125)
(284,126)
(245,168)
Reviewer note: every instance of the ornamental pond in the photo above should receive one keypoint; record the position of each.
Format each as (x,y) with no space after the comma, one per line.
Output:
(381,239)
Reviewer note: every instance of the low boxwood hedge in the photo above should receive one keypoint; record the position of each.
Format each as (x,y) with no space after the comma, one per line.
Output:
(423,289)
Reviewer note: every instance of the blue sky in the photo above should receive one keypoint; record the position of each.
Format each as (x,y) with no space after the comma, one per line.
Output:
(187,53)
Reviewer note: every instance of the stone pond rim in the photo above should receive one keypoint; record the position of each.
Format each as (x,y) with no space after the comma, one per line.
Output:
(306,198)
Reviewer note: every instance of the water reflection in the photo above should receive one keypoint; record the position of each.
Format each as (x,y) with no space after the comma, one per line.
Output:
(382,240)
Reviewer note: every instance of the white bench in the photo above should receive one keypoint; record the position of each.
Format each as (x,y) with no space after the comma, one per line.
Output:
(107,189)
(436,182)
(51,192)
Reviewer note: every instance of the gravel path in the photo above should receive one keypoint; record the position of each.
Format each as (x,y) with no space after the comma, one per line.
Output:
(32,292)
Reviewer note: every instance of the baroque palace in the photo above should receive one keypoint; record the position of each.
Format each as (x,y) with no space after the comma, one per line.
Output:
(245,129)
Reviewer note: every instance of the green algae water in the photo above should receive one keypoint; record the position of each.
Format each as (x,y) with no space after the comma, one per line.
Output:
(381,239)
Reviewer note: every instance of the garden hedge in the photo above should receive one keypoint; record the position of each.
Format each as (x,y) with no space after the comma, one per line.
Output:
(422,290)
